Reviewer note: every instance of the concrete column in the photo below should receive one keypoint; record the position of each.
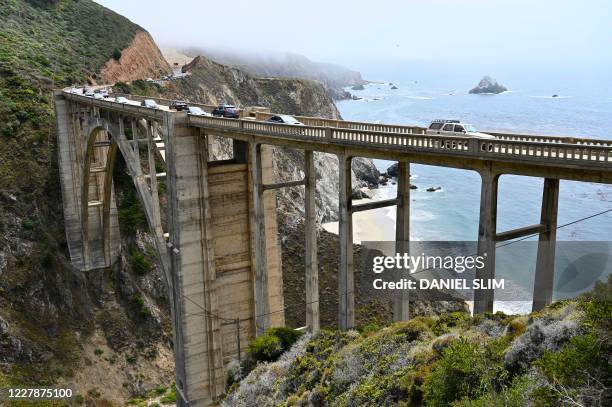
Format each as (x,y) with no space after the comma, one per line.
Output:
(69,144)
(401,309)
(151,149)
(346,286)
(198,347)
(310,229)
(545,264)
(483,299)
(262,317)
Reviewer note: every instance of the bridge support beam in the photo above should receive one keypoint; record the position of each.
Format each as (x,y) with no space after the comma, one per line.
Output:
(346,285)
(401,309)
(545,263)
(310,230)
(262,309)
(198,347)
(483,299)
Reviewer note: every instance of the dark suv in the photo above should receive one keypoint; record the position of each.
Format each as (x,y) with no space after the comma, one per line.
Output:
(226,111)
(179,106)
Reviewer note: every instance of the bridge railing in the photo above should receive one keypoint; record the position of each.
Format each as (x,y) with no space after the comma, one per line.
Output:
(120,107)
(163,101)
(599,154)
(389,128)
(347,124)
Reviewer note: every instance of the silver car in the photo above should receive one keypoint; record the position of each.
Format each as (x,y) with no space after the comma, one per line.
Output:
(196,111)
(150,103)
(458,129)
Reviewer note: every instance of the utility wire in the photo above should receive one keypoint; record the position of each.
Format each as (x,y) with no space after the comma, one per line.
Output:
(210,314)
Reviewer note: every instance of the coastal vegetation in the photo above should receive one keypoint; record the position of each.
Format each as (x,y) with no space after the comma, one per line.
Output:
(558,356)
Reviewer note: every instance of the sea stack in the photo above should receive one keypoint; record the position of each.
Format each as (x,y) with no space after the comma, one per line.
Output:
(488,85)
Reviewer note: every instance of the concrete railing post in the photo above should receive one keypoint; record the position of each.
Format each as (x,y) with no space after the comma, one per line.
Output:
(401,308)
(483,299)
(310,230)
(545,263)
(346,286)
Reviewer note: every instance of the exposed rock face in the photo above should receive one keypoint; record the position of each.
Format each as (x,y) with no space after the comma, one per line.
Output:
(488,85)
(141,59)
(214,83)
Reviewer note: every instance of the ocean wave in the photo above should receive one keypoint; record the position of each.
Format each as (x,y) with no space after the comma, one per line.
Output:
(421,97)
(550,97)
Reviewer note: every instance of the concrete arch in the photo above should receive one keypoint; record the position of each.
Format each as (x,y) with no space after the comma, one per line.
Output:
(104,139)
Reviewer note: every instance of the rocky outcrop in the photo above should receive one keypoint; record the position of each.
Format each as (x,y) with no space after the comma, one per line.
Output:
(358,87)
(141,59)
(488,85)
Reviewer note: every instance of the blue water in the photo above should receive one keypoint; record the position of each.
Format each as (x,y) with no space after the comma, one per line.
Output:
(583,109)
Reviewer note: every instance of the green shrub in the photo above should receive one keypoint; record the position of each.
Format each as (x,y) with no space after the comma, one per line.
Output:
(465,370)
(269,346)
(139,263)
(117,54)
(27,224)
(169,398)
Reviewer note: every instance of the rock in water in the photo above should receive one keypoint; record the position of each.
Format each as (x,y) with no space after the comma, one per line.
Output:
(393,87)
(555,95)
(358,87)
(488,85)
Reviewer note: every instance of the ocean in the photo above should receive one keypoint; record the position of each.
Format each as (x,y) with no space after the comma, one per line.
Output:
(425,92)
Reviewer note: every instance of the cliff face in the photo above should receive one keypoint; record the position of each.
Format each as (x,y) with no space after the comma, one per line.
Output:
(141,59)
(211,82)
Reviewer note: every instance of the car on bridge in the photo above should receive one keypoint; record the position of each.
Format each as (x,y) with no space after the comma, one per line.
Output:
(285,119)
(197,111)
(150,103)
(179,106)
(458,129)
(121,99)
(224,110)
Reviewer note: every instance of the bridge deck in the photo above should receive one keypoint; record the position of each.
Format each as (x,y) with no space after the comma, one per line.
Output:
(581,159)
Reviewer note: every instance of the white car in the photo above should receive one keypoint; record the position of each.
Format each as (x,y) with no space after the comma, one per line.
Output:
(89,93)
(150,103)
(285,119)
(455,128)
(121,99)
(196,111)
(98,96)
(458,129)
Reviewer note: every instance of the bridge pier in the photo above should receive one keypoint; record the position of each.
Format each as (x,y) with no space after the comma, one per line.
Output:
(346,285)
(545,263)
(199,370)
(401,309)
(487,227)
(262,308)
(310,238)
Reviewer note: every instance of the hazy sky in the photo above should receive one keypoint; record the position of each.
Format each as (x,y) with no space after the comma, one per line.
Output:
(357,31)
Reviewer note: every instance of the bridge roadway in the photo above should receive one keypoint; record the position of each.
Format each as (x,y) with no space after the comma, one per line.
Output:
(204,223)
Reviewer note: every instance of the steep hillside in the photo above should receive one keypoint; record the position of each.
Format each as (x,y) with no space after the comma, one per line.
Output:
(141,59)
(286,65)
(59,325)
(211,83)
(557,357)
